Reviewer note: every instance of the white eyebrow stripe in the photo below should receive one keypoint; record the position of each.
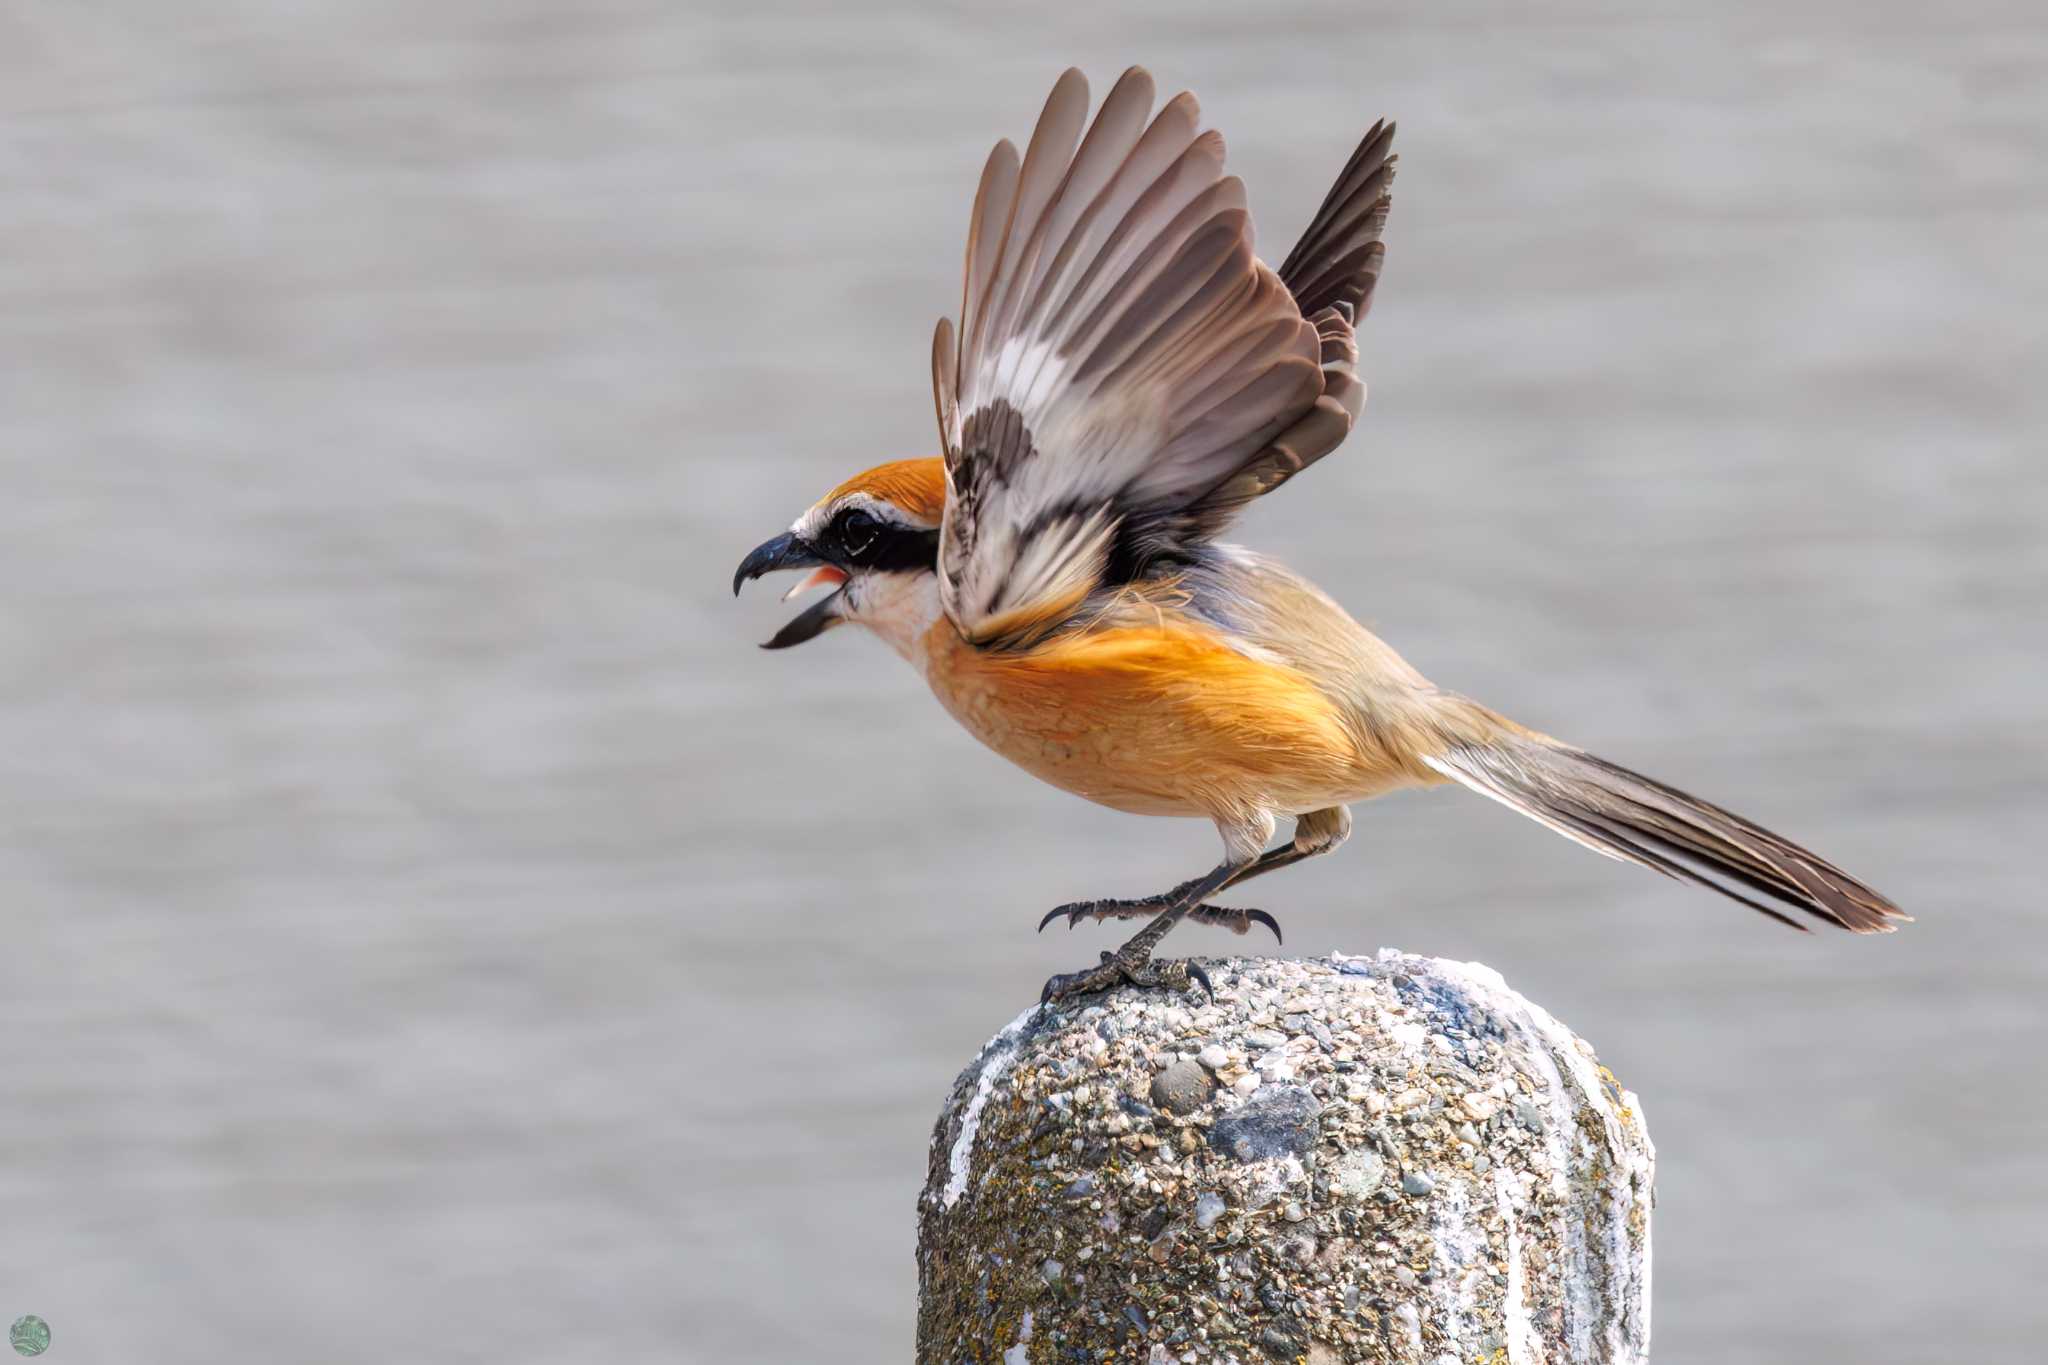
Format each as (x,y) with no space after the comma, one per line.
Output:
(817,518)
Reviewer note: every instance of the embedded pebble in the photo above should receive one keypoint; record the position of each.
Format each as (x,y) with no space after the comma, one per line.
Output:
(1278,1344)
(1358,1173)
(1279,1121)
(1182,1088)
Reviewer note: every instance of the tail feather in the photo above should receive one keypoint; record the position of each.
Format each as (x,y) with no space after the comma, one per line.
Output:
(1639,820)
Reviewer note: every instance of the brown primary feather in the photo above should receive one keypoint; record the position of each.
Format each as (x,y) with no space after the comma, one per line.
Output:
(1337,260)
(1331,272)
(1315,434)
(945,394)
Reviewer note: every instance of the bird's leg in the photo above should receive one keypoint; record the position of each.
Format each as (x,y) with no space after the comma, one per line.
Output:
(1315,833)
(1235,919)
(1133,962)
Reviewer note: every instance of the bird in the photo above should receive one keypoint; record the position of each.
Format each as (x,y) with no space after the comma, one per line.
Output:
(1125,377)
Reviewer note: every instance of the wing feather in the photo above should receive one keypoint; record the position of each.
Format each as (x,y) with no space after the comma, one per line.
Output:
(1331,272)
(1122,357)
(945,399)
(986,227)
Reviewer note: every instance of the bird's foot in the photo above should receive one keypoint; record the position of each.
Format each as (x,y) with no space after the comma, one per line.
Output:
(1121,968)
(1233,918)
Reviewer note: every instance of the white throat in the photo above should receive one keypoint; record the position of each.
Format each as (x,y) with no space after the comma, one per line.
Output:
(899,607)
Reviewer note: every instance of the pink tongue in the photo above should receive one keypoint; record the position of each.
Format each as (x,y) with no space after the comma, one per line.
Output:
(823,577)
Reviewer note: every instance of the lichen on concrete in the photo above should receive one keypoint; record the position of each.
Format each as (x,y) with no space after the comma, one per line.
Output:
(1387,1159)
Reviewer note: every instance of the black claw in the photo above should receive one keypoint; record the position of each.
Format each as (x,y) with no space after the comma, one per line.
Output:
(1261,917)
(1075,911)
(1196,972)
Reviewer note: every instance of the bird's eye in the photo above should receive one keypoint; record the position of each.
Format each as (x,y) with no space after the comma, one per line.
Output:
(857,530)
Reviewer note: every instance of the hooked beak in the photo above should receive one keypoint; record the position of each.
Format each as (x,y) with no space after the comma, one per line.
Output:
(787,551)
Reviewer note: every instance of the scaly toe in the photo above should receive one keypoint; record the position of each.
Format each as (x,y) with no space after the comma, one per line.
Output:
(1101,911)
(1169,974)
(1101,978)
(1235,920)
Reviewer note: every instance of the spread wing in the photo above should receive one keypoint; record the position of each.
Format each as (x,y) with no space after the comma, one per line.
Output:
(1126,373)
(1331,272)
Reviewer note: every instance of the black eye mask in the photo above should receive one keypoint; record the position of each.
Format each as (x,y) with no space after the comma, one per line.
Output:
(858,539)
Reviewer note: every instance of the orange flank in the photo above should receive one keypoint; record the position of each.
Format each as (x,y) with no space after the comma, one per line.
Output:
(1164,718)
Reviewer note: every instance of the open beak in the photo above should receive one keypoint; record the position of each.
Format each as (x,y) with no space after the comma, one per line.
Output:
(786,551)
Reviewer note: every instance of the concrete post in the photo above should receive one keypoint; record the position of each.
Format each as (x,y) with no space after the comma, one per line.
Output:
(1355,1159)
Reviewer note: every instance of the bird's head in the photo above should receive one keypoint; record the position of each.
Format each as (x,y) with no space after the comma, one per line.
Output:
(874,540)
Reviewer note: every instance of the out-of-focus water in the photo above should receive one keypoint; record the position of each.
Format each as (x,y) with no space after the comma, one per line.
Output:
(433,931)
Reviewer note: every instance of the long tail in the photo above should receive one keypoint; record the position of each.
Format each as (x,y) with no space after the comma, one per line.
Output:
(1639,820)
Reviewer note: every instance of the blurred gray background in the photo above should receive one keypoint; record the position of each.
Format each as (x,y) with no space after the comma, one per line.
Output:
(433,931)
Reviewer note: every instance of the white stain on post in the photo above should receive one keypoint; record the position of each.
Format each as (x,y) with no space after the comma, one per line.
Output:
(1524,1347)
(1597,1249)
(1020,1353)
(997,1056)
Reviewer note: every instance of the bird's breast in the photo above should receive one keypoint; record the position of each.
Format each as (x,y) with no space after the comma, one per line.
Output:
(1160,719)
